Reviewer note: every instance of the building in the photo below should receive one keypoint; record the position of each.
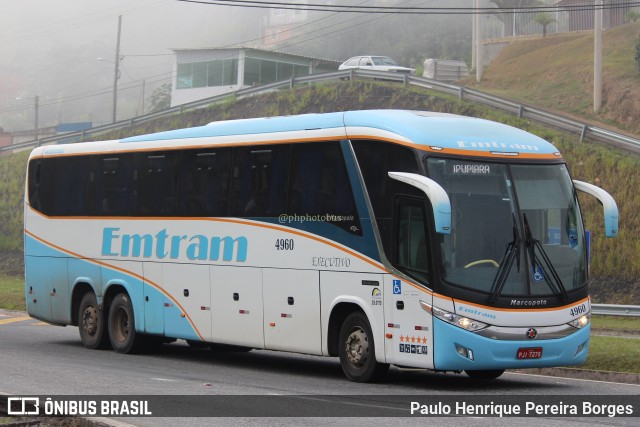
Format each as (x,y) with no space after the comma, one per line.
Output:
(6,138)
(203,73)
(581,19)
(279,24)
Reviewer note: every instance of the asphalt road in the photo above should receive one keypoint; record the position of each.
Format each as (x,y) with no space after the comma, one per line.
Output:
(38,359)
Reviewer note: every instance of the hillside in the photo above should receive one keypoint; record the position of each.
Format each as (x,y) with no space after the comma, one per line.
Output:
(615,263)
(556,73)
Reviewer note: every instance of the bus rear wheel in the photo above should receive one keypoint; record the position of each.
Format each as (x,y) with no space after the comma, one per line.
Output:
(91,321)
(122,327)
(490,374)
(357,351)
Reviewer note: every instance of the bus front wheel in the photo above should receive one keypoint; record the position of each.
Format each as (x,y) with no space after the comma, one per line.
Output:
(122,327)
(91,321)
(357,351)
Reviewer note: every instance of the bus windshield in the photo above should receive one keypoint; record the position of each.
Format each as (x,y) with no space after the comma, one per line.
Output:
(516,229)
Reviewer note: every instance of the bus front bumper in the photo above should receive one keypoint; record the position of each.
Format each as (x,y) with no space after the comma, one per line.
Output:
(458,349)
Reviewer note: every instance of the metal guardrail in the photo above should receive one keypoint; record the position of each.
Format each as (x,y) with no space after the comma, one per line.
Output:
(616,310)
(524,111)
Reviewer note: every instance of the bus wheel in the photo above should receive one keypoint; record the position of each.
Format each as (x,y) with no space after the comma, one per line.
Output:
(91,323)
(122,327)
(357,351)
(490,374)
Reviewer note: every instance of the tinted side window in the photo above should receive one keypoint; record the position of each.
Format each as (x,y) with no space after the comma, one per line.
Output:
(376,159)
(319,185)
(411,249)
(63,185)
(204,182)
(34,184)
(111,177)
(259,180)
(155,183)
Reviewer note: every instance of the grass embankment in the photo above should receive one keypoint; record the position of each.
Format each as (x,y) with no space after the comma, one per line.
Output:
(556,73)
(12,293)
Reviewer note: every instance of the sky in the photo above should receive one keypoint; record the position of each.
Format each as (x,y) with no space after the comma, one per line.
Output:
(51,49)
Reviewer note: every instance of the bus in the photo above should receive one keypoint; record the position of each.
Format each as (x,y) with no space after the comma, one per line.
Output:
(411,238)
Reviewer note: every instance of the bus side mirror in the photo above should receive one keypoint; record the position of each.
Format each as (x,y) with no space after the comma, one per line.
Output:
(435,193)
(608,204)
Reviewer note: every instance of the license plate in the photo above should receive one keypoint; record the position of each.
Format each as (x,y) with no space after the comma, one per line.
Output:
(529,353)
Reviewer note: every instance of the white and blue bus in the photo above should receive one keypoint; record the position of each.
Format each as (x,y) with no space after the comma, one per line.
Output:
(383,237)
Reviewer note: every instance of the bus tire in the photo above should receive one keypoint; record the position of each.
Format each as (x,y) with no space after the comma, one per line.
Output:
(489,374)
(357,350)
(91,323)
(122,327)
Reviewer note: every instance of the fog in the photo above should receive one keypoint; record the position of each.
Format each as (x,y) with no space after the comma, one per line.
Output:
(50,49)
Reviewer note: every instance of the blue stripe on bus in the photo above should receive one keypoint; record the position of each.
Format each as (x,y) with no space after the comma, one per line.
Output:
(450,131)
(495,354)
(421,128)
(250,126)
(107,276)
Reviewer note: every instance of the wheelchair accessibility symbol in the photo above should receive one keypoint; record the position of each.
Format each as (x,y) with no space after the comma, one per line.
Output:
(537,274)
(397,287)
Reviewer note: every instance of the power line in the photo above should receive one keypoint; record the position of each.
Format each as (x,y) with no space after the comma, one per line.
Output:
(412,9)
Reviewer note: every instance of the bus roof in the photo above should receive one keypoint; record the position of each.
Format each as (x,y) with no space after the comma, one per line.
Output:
(446,131)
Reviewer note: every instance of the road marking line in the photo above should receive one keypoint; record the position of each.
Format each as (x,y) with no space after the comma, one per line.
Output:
(14,319)
(40,324)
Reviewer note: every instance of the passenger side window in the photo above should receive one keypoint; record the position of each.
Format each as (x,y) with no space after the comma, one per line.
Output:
(259,180)
(204,182)
(155,183)
(376,159)
(319,187)
(111,177)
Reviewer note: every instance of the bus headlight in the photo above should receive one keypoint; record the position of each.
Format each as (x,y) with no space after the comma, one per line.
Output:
(581,322)
(454,319)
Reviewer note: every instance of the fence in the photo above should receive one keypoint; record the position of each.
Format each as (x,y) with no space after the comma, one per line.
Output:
(566,16)
(616,310)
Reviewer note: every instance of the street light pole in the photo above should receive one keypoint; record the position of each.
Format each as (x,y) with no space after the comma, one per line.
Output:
(36,107)
(597,56)
(116,73)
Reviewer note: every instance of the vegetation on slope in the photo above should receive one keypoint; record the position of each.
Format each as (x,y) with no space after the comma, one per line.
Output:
(615,264)
(556,73)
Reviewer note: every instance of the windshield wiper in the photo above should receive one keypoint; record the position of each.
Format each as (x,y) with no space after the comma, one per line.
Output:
(511,253)
(531,243)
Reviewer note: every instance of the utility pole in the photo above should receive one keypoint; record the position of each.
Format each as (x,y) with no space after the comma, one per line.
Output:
(479,45)
(144,84)
(36,106)
(116,72)
(597,56)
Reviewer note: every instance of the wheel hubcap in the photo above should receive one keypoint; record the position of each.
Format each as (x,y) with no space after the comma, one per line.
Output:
(90,320)
(357,347)
(121,324)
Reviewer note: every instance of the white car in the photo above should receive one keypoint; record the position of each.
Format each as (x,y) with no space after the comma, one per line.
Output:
(376,63)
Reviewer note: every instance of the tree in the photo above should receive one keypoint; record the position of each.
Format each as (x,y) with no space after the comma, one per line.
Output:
(160,99)
(631,16)
(508,18)
(544,19)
